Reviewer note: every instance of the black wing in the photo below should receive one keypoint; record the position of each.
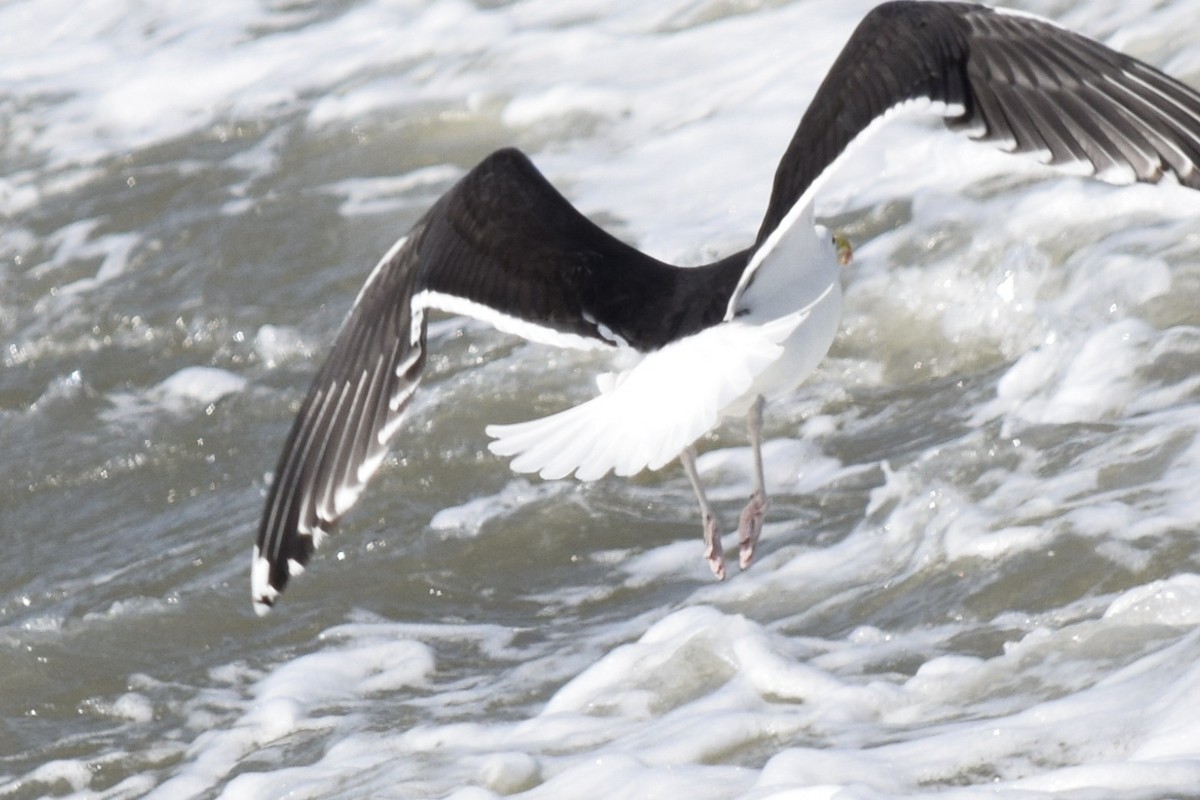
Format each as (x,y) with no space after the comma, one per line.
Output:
(504,245)
(1001,77)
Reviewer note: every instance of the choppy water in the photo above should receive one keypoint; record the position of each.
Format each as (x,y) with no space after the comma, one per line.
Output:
(981,571)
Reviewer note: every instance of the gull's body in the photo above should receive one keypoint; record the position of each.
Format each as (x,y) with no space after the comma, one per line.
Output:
(716,340)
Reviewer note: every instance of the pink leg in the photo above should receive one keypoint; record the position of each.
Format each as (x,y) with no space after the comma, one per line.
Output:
(713,551)
(751,521)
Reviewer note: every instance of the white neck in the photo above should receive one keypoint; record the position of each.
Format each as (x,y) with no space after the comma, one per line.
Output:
(793,268)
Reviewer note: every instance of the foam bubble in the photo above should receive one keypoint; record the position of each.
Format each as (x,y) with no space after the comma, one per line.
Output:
(279,344)
(200,385)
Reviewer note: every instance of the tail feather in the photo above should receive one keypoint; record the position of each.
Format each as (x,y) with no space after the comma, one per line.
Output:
(652,411)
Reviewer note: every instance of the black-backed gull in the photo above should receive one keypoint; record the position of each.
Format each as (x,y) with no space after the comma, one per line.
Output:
(718,340)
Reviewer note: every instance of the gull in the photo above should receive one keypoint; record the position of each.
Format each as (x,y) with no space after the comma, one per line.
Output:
(713,341)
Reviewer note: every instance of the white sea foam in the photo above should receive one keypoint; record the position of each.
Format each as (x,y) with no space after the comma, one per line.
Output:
(200,385)
(470,517)
(278,344)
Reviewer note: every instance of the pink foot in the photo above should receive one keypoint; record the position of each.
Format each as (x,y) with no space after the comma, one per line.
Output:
(750,527)
(714,553)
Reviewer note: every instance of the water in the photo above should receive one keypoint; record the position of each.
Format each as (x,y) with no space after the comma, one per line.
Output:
(980,573)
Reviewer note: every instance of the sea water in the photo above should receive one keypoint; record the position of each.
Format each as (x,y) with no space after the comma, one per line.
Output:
(980,573)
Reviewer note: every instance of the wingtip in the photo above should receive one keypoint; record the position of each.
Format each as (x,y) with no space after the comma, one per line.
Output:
(262,592)
(262,606)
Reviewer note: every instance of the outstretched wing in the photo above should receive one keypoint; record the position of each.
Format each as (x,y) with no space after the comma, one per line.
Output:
(501,245)
(1004,77)
(341,433)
